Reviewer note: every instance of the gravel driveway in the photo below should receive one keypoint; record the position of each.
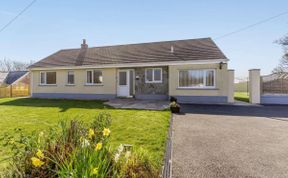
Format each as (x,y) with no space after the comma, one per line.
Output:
(230,141)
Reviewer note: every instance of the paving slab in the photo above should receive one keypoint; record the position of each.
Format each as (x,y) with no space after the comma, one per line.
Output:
(138,104)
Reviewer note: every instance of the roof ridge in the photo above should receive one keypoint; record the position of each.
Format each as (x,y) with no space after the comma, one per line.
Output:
(131,44)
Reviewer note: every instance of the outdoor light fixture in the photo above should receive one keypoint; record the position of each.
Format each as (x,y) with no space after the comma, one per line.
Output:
(137,77)
(220,65)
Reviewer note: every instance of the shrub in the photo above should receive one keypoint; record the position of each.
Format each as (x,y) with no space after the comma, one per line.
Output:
(173,99)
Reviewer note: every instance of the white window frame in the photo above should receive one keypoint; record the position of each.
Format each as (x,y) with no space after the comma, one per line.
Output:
(153,79)
(68,78)
(204,80)
(92,77)
(45,79)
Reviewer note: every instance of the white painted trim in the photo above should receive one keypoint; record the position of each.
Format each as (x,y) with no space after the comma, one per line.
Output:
(40,82)
(92,77)
(45,84)
(199,87)
(153,81)
(148,64)
(127,80)
(67,81)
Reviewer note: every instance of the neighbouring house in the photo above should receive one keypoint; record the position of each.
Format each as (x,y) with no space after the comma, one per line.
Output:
(14,84)
(194,71)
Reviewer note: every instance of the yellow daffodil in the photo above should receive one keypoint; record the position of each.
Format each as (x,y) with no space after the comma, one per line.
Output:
(40,154)
(106,132)
(98,146)
(91,133)
(94,171)
(41,134)
(36,162)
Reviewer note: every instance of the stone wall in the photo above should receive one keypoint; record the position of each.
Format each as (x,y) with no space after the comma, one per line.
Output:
(156,89)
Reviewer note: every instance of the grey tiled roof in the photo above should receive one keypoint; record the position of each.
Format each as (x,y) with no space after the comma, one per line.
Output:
(184,50)
(13,76)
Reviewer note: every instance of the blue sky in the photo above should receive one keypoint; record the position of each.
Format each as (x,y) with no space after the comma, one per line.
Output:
(50,25)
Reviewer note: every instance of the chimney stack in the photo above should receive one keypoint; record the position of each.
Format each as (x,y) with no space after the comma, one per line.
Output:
(84,45)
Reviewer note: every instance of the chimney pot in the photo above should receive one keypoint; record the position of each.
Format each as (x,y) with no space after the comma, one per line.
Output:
(84,45)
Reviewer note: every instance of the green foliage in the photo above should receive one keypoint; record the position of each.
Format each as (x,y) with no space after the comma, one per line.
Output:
(140,128)
(241,96)
(70,151)
(73,150)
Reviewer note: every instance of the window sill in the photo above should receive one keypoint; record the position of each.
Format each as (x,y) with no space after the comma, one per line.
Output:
(87,84)
(49,85)
(187,88)
(153,82)
(70,85)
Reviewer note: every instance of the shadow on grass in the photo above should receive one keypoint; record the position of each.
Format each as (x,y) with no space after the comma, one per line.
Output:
(62,104)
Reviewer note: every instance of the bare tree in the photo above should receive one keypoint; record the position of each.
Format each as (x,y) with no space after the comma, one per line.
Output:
(7,65)
(282,68)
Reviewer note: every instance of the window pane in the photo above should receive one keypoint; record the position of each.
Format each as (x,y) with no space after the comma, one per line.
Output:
(70,77)
(183,78)
(89,76)
(42,78)
(122,78)
(196,78)
(210,78)
(51,78)
(149,75)
(97,77)
(157,74)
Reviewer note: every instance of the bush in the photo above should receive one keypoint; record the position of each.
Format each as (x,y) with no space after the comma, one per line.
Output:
(173,99)
(73,150)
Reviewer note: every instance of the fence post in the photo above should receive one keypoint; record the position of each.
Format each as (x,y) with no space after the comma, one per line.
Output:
(11,90)
(230,86)
(254,86)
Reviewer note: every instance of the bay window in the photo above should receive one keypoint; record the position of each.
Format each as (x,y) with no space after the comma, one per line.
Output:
(197,78)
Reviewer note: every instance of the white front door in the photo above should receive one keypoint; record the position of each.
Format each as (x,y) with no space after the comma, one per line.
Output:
(123,87)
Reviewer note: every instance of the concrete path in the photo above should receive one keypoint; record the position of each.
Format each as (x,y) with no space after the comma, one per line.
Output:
(230,141)
(138,104)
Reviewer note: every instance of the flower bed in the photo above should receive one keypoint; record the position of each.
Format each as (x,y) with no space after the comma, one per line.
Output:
(75,150)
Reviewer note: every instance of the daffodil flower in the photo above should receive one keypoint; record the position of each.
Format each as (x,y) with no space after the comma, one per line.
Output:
(106,132)
(94,171)
(91,133)
(98,146)
(40,154)
(36,162)
(41,134)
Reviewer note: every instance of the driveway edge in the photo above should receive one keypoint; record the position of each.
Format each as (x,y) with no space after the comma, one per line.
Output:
(167,170)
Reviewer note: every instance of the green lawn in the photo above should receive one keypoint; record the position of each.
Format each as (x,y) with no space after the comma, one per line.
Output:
(144,128)
(241,96)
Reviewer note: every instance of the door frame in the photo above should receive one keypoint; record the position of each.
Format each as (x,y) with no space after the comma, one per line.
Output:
(128,82)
